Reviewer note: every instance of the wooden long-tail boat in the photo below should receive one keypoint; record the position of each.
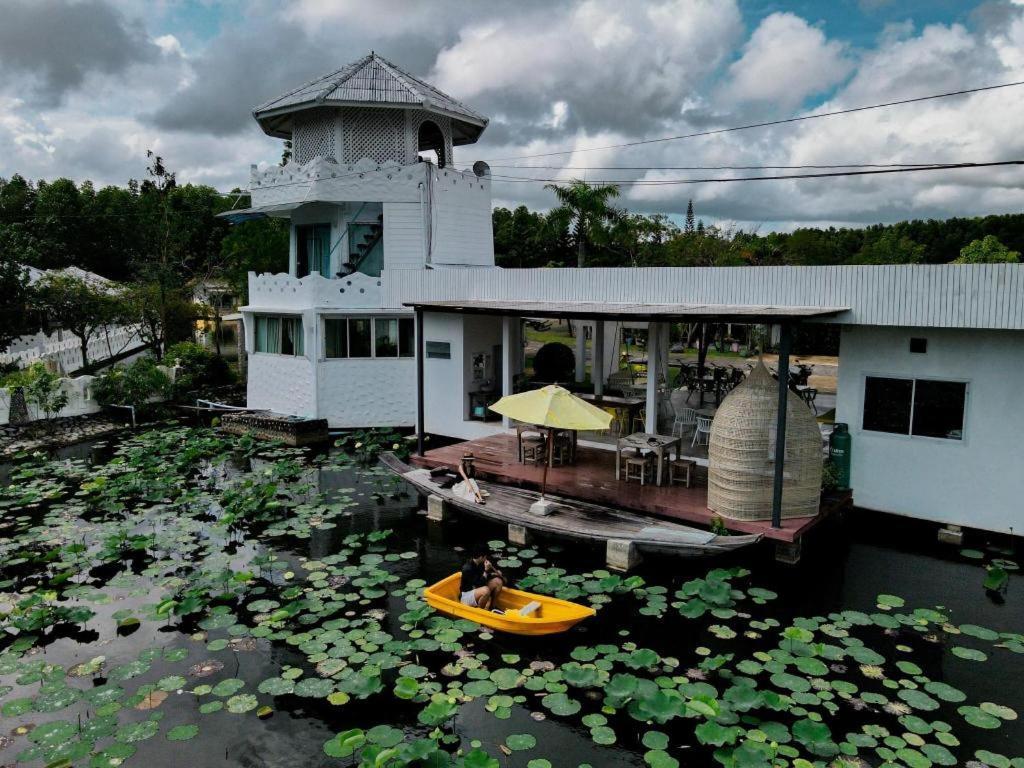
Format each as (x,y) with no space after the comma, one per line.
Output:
(573,519)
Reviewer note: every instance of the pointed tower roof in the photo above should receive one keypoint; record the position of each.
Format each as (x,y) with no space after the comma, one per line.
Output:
(372,81)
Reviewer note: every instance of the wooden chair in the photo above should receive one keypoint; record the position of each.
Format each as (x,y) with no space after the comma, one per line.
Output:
(681,467)
(639,467)
(534,449)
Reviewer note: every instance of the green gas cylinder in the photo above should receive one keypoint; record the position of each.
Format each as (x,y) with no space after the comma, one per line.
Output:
(839,452)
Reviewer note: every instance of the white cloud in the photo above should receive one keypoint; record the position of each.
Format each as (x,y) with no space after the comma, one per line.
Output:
(785,61)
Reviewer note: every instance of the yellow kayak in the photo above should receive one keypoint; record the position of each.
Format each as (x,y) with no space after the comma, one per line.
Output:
(522,613)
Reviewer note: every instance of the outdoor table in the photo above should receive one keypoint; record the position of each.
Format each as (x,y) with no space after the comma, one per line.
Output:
(629,404)
(551,432)
(651,442)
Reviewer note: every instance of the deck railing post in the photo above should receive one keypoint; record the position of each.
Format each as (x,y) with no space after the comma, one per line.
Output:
(653,369)
(785,343)
(597,364)
(420,411)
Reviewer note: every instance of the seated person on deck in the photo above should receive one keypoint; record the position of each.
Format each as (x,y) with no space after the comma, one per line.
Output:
(481,582)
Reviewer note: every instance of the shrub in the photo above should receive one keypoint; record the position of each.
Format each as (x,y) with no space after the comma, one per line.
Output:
(554,362)
(365,445)
(42,389)
(198,368)
(134,384)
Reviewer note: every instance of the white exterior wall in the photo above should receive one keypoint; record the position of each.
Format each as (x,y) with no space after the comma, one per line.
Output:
(448,382)
(367,392)
(463,231)
(282,383)
(404,235)
(975,481)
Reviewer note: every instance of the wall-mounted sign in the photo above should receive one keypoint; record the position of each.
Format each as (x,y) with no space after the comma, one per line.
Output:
(442,350)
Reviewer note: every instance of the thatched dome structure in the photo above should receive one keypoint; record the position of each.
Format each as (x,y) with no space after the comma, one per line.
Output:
(741,453)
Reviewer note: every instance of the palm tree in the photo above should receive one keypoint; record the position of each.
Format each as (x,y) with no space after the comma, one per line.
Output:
(584,205)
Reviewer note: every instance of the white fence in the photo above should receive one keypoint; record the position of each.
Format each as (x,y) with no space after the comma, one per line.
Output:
(80,398)
(65,354)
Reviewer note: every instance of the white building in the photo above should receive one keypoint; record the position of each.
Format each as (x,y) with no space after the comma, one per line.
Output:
(932,357)
(325,339)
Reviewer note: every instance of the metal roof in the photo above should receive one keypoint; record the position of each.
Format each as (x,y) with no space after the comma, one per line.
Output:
(589,310)
(370,81)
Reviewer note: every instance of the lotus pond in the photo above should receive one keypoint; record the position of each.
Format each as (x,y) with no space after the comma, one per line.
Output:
(184,598)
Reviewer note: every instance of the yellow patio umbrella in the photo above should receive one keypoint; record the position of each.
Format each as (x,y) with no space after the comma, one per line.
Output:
(553,407)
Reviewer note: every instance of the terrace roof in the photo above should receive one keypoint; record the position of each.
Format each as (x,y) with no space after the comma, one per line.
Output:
(738,313)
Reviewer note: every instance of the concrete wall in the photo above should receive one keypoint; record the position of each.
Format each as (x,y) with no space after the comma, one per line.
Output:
(282,383)
(463,233)
(975,481)
(367,393)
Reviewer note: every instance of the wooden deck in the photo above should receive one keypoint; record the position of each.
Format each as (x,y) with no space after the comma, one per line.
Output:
(592,479)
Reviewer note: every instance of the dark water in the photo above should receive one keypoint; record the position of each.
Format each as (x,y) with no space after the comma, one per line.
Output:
(845,566)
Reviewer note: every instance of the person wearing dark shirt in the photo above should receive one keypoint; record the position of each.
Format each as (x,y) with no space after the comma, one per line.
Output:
(480,582)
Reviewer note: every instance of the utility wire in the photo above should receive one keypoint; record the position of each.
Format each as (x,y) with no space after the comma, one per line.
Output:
(768,123)
(713,167)
(721,179)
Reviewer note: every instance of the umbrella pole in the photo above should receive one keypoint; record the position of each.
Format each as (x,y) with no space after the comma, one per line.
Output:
(547,463)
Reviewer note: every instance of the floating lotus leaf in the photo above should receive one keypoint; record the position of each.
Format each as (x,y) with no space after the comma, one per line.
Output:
(971,654)
(182,732)
(815,736)
(313,687)
(242,702)
(131,733)
(999,710)
(657,758)
(560,704)
(171,683)
(603,735)
(979,718)
(918,700)
(228,687)
(276,686)
(520,741)
(944,691)
(211,706)
(982,633)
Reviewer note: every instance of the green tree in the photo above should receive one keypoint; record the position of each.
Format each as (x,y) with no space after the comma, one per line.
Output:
(988,250)
(78,306)
(890,248)
(15,298)
(689,227)
(586,207)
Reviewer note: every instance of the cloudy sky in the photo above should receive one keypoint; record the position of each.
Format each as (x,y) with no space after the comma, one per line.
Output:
(87,86)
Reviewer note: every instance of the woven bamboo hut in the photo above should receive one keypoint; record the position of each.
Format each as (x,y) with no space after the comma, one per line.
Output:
(741,453)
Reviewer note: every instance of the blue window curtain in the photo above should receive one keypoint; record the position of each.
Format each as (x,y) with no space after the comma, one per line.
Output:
(261,333)
(298,341)
(273,335)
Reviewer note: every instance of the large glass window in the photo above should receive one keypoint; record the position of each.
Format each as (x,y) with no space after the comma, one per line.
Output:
(313,249)
(939,408)
(380,337)
(279,335)
(918,407)
(359,338)
(335,338)
(887,404)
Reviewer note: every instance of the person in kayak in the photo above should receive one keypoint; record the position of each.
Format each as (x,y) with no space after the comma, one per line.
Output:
(481,582)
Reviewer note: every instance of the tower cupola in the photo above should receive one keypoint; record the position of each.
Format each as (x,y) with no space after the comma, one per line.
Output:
(370,109)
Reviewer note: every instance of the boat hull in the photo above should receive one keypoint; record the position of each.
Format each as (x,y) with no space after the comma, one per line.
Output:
(553,616)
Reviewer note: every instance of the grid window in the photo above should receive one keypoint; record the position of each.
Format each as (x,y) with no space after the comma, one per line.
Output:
(380,337)
(918,407)
(279,335)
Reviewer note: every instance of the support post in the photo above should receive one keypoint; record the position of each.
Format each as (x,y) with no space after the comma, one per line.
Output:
(420,411)
(437,509)
(581,350)
(518,535)
(785,343)
(622,555)
(653,367)
(507,372)
(597,366)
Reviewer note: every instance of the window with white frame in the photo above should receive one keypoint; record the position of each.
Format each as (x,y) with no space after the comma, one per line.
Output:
(366,337)
(916,407)
(279,335)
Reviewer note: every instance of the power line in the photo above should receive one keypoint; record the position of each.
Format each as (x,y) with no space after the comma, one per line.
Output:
(713,167)
(768,123)
(725,179)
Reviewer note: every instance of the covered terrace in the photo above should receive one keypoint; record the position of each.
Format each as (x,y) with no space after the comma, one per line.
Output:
(585,478)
